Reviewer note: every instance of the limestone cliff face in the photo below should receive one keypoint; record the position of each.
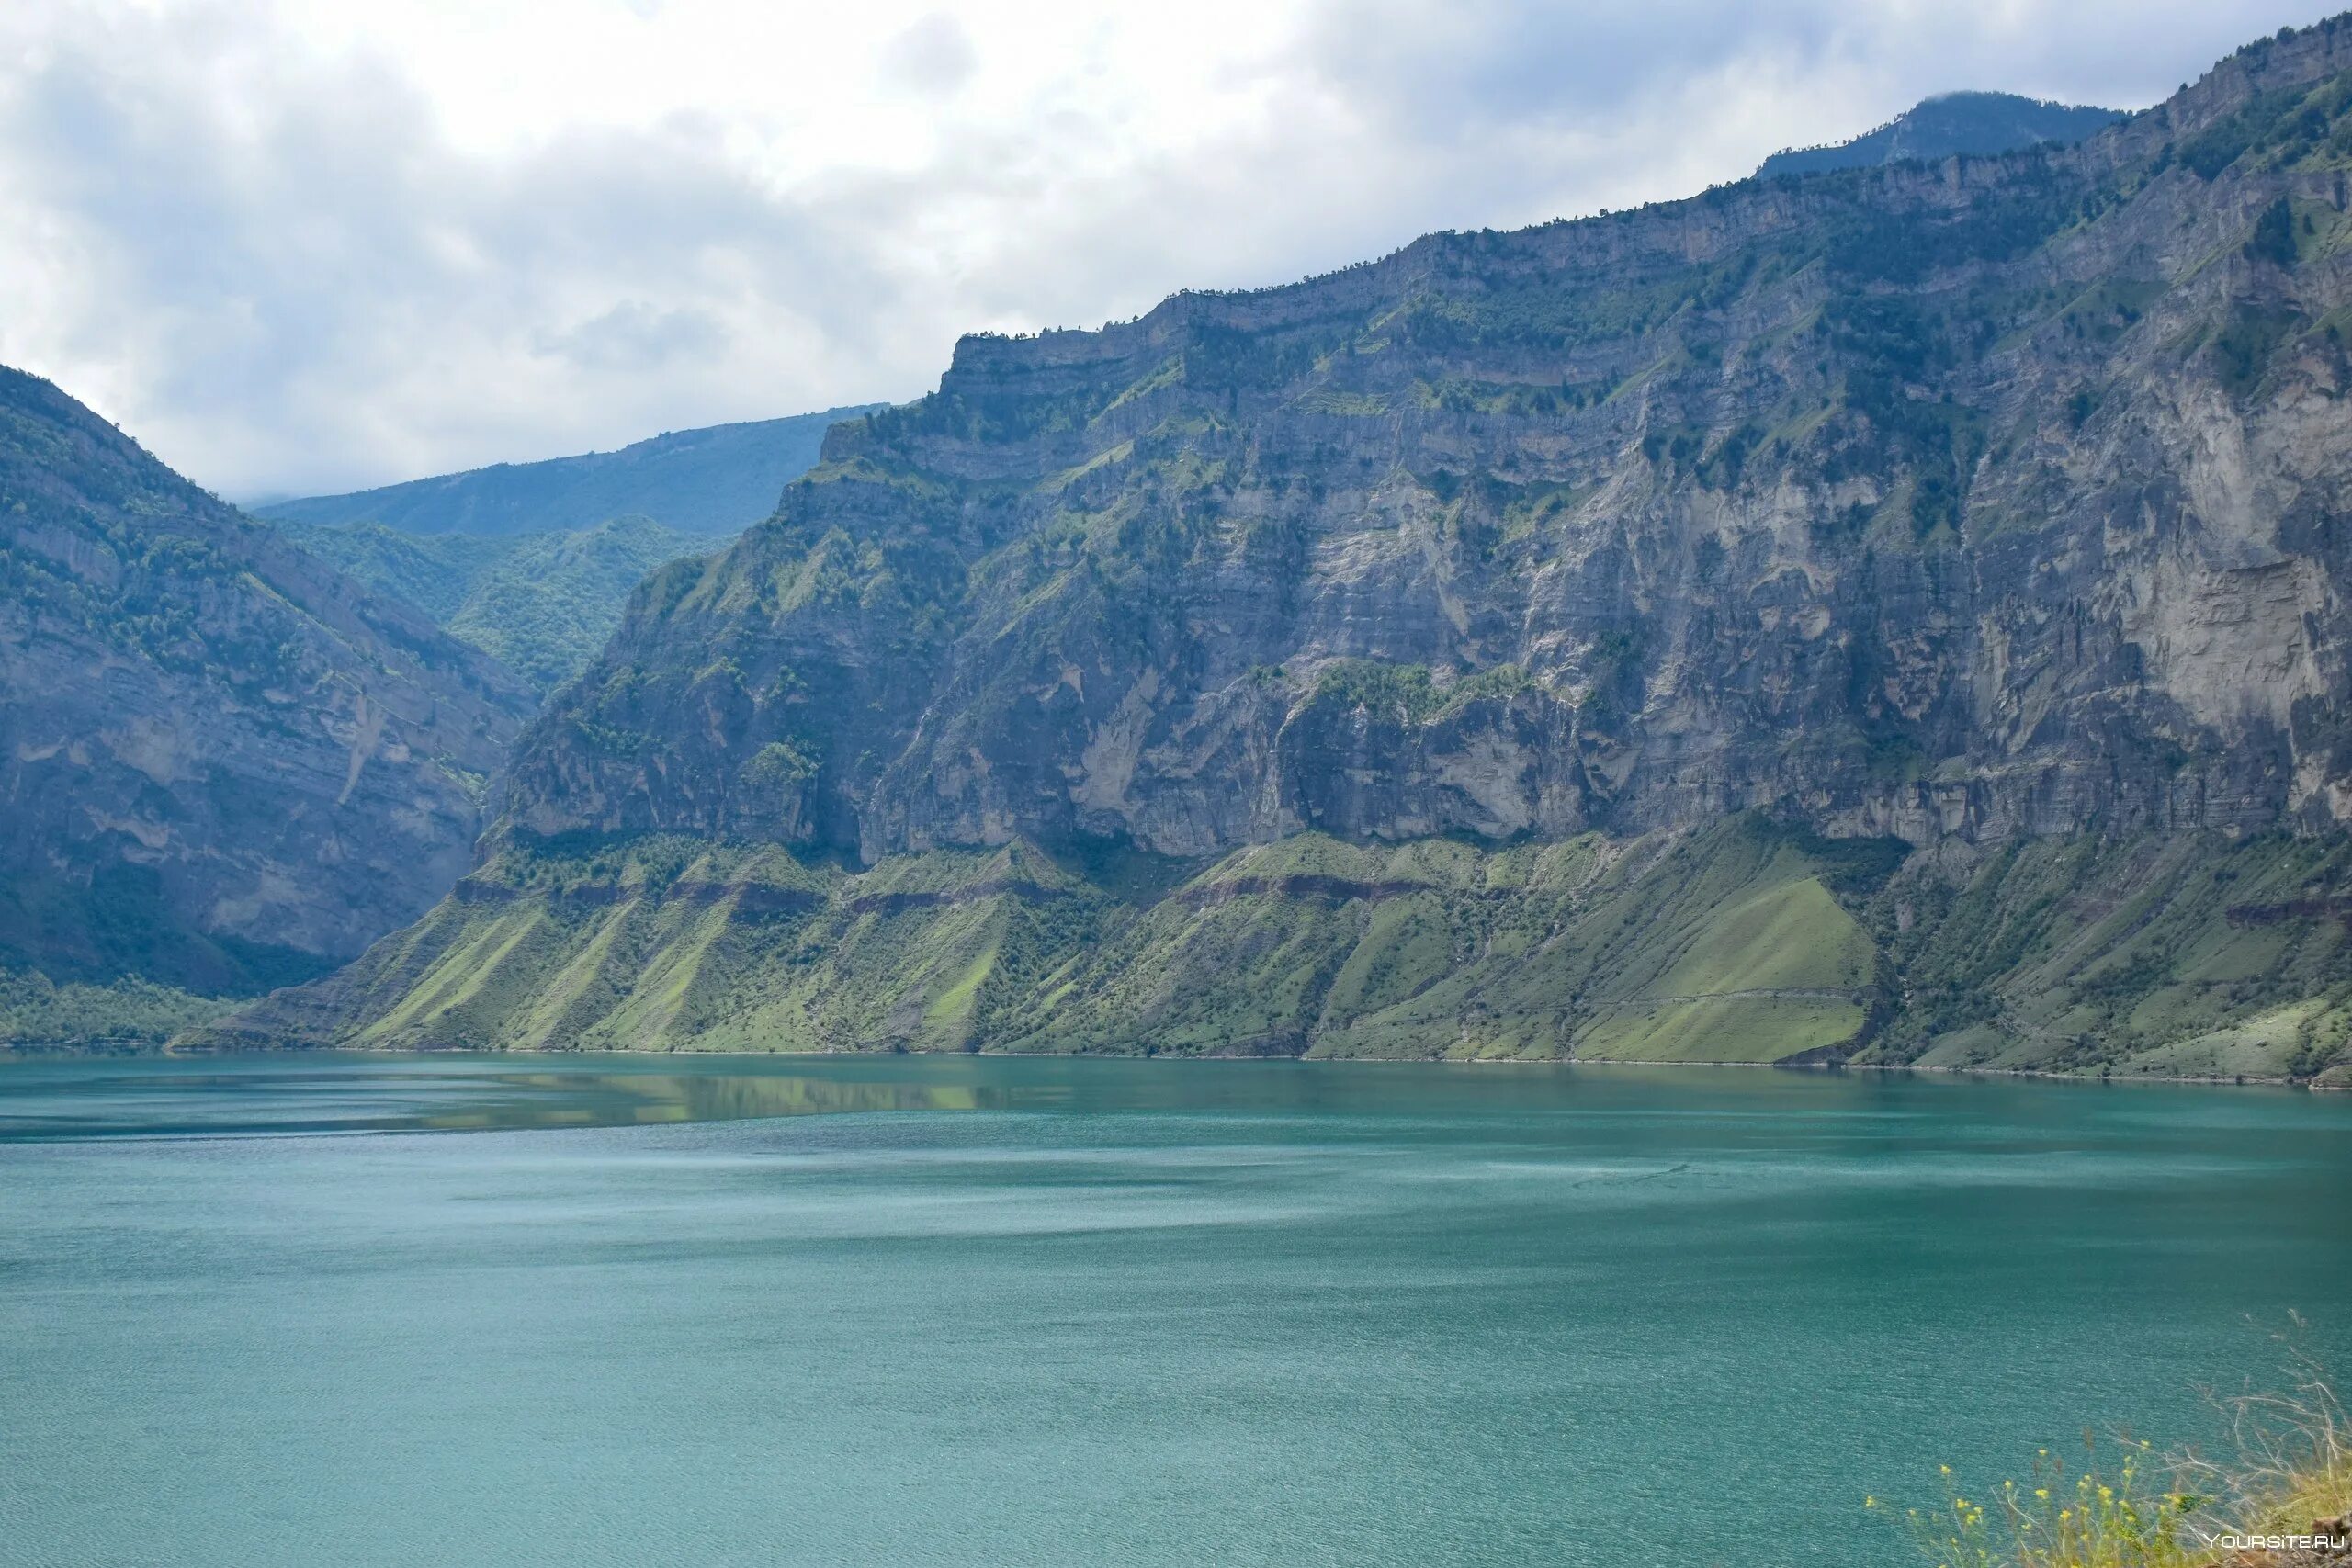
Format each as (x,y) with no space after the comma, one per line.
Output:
(1894,615)
(221,762)
(1968,502)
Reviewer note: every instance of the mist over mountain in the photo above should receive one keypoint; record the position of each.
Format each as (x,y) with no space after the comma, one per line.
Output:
(1948,123)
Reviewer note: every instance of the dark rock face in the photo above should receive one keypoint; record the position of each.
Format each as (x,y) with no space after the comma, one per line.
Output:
(1998,498)
(222,764)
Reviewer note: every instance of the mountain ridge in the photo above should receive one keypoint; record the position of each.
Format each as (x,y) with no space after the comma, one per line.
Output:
(1975,123)
(1019,379)
(1957,533)
(712,480)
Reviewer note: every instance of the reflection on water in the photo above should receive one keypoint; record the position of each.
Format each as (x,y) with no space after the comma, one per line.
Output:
(669,1096)
(52,1099)
(57,1098)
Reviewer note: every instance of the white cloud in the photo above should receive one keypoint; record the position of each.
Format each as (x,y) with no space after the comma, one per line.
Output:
(306,246)
(933,57)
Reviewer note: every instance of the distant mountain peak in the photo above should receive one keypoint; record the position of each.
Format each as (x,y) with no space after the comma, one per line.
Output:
(718,479)
(1948,123)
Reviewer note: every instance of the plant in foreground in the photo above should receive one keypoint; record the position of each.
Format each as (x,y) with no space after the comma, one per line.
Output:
(2282,1502)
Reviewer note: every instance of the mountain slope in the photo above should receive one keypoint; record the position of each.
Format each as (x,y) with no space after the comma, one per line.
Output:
(540,603)
(1948,123)
(1311,944)
(224,764)
(713,481)
(1907,513)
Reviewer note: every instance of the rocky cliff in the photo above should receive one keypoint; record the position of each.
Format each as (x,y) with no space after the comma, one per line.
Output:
(1991,498)
(223,764)
(1959,507)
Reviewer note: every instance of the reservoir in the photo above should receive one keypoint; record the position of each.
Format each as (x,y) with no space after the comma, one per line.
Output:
(1005,1311)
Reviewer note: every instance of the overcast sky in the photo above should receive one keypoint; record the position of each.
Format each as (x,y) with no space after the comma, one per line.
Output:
(318,244)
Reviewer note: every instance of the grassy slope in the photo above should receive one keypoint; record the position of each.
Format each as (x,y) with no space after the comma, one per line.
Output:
(1742,944)
(2126,957)
(1311,945)
(129,1010)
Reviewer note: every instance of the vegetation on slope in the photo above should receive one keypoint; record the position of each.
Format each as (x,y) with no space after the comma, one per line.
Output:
(1639,951)
(541,604)
(1750,942)
(1948,123)
(2186,956)
(224,765)
(1309,946)
(127,1011)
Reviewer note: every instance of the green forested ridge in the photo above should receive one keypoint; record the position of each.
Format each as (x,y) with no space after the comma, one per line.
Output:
(128,1011)
(1945,124)
(541,604)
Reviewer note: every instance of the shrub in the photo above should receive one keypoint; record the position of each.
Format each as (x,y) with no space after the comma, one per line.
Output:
(2292,1475)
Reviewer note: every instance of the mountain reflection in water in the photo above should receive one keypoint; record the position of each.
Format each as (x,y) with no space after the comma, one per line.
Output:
(180,1097)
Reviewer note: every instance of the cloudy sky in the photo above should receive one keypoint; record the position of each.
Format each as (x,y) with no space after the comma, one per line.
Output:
(312,244)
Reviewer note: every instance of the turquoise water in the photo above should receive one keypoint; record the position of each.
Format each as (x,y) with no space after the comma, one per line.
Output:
(935,1310)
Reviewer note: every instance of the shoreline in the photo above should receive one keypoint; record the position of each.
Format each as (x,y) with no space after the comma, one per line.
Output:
(130,1049)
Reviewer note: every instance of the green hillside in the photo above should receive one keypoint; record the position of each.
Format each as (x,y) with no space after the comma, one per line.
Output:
(1750,942)
(1311,946)
(542,603)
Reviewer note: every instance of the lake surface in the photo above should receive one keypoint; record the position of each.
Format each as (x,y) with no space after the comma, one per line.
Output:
(995,1311)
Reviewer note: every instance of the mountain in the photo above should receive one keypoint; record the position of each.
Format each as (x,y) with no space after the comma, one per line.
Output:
(540,603)
(1898,615)
(713,481)
(1935,129)
(225,765)
(532,562)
